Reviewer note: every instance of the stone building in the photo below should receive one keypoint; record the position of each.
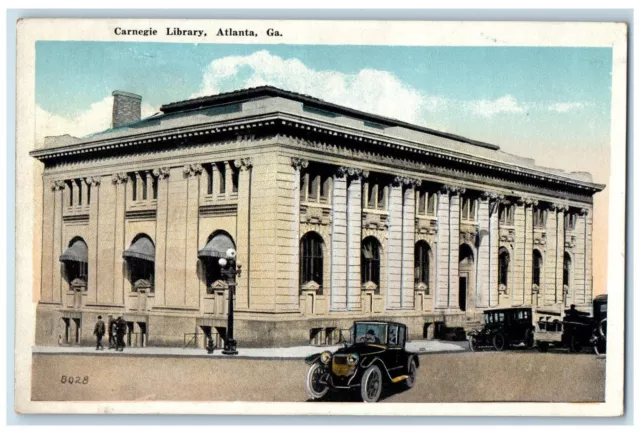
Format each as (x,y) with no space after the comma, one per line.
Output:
(336,215)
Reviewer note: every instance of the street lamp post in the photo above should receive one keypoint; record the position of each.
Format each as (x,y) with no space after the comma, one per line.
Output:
(228,266)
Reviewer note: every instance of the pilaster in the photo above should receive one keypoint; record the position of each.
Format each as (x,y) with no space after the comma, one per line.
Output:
(93,183)
(394,246)
(560,295)
(579,259)
(162,210)
(120,182)
(191,298)
(588,248)
(243,231)
(550,290)
(454,246)
(338,296)
(443,250)
(408,243)
(354,236)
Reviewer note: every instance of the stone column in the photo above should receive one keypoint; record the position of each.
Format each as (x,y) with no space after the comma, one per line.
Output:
(494,246)
(408,243)
(560,295)
(120,182)
(550,270)
(441,292)
(53,288)
(161,234)
(588,252)
(354,236)
(454,246)
(482,261)
(243,231)
(525,253)
(93,183)
(191,281)
(580,259)
(394,246)
(338,295)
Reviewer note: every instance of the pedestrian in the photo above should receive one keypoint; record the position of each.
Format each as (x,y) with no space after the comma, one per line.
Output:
(111,328)
(98,331)
(121,329)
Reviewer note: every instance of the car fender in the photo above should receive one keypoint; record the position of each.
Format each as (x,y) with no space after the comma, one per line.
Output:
(310,360)
(368,361)
(411,357)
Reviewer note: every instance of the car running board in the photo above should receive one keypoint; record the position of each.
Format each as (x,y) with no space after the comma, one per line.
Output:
(400,378)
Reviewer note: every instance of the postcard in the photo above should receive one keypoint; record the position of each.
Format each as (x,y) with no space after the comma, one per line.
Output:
(320,217)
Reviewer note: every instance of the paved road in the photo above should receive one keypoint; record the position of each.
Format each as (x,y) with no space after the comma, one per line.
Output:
(451,377)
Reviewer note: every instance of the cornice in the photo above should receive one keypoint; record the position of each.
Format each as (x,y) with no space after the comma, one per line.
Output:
(309,126)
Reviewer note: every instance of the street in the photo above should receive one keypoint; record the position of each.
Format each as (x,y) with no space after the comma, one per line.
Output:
(448,377)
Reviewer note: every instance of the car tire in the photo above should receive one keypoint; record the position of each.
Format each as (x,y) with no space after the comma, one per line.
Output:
(412,374)
(543,347)
(371,384)
(499,342)
(311,386)
(529,338)
(473,344)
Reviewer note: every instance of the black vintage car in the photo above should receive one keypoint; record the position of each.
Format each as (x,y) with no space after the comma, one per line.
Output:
(503,328)
(375,356)
(576,331)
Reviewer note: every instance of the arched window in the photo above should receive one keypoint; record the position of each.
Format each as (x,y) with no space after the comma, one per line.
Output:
(75,260)
(140,257)
(311,259)
(217,245)
(422,263)
(566,270)
(537,267)
(503,267)
(370,261)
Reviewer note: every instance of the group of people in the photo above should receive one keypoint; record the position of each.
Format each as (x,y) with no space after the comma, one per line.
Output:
(117,328)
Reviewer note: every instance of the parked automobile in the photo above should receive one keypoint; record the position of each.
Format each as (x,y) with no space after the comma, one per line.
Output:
(577,329)
(375,357)
(503,328)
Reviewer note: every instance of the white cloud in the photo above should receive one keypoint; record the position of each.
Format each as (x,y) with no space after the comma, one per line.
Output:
(489,108)
(369,90)
(564,107)
(94,119)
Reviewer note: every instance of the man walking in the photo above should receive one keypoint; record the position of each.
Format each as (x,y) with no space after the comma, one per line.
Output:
(111,328)
(98,331)
(121,329)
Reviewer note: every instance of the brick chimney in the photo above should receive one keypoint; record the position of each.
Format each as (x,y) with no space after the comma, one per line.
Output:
(126,108)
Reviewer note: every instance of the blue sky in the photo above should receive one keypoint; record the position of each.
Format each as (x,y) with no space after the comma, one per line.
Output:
(533,101)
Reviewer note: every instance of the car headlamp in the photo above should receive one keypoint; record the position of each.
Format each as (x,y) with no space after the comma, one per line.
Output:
(352,359)
(325,357)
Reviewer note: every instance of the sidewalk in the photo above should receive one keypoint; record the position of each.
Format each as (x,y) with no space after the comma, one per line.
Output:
(421,347)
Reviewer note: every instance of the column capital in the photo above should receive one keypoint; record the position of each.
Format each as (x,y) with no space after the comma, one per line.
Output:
(406,181)
(92,180)
(192,169)
(162,172)
(527,201)
(492,196)
(119,178)
(299,163)
(452,189)
(352,172)
(584,211)
(58,185)
(559,207)
(243,163)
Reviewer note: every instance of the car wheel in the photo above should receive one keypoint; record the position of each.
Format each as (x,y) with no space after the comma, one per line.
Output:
(473,343)
(499,342)
(529,340)
(543,347)
(575,346)
(412,374)
(371,384)
(312,385)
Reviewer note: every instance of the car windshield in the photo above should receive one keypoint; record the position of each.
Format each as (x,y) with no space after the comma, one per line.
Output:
(374,333)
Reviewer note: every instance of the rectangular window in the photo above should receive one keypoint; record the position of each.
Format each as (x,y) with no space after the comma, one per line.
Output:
(314,188)
(506,215)
(235,175)
(88,194)
(144,186)
(134,186)
(223,177)
(570,221)
(468,209)
(209,170)
(431,204)
(304,186)
(539,218)
(325,187)
(372,195)
(154,186)
(79,187)
(70,190)
(381,197)
(422,202)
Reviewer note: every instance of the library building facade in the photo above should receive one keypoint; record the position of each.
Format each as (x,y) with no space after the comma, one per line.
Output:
(335,214)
